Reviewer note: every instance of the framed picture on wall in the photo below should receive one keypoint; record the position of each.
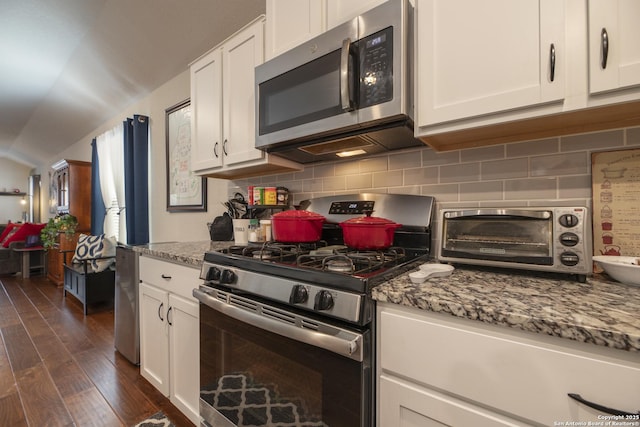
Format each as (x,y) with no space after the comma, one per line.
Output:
(186,192)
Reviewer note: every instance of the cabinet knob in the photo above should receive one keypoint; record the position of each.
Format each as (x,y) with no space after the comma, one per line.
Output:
(215,149)
(224,147)
(164,276)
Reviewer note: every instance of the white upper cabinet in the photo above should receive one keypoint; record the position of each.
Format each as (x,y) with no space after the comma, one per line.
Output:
(206,111)
(291,22)
(614,44)
(339,11)
(240,55)
(478,58)
(223,109)
(501,71)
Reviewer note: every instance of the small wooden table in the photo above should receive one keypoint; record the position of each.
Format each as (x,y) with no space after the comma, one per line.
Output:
(26,260)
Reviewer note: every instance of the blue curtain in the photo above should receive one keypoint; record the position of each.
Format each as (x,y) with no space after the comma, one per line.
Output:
(136,181)
(98,209)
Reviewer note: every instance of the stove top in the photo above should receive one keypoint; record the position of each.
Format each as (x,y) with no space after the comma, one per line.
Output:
(335,266)
(327,277)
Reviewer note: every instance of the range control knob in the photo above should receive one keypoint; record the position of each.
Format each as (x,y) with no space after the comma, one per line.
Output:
(323,301)
(213,274)
(568,220)
(569,239)
(228,277)
(299,295)
(569,259)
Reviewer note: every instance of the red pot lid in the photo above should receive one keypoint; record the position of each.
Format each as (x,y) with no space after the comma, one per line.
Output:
(297,214)
(368,220)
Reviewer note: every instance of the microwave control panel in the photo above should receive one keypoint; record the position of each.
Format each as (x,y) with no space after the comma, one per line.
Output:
(376,68)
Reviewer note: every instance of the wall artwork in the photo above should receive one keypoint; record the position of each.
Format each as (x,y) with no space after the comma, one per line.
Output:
(616,212)
(186,192)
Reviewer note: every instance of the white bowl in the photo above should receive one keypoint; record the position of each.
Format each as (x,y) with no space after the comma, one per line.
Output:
(436,270)
(418,276)
(624,269)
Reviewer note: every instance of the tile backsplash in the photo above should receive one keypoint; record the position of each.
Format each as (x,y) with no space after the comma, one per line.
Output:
(553,171)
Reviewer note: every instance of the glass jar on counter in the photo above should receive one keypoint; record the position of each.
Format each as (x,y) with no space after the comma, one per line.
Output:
(265,229)
(255,231)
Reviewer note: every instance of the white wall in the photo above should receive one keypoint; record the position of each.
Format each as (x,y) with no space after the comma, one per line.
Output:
(13,175)
(164,226)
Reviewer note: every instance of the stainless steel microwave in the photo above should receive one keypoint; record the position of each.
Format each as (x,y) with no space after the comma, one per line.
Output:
(347,92)
(554,239)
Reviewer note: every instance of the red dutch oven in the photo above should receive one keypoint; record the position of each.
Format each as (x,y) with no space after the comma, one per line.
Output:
(297,226)
(368,232)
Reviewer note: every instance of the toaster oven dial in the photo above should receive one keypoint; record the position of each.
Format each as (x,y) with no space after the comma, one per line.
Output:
(569,259)
(568,220)
(569,239)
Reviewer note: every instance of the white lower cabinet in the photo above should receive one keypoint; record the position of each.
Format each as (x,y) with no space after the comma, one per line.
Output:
(169,332)
(435,369)
(405,404)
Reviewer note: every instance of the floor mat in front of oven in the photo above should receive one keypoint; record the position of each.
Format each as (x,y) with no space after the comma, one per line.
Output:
(246,403)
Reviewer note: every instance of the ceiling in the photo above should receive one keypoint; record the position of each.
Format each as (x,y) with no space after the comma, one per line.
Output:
(68,66)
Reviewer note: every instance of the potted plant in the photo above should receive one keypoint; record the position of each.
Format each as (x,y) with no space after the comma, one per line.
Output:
(64,223)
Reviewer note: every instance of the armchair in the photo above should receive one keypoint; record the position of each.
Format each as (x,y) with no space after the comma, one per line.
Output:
(13,237)
(90,276)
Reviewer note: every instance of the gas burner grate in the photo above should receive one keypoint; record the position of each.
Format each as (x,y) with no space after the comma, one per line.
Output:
(274,251)
(351,262)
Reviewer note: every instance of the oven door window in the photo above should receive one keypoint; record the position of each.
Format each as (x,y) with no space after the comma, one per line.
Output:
(253,377)
(500,238)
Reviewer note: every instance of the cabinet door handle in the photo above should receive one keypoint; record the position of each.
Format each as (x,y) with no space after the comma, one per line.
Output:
(552,62)
(604,40)
(164,276)
(160,311)
(168,320)
(600,408)
(224,147)
(215,149)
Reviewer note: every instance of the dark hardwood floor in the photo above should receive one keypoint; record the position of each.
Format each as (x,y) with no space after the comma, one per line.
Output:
(59,368)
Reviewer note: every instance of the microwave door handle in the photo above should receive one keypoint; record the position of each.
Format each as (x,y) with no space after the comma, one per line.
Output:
(345,99)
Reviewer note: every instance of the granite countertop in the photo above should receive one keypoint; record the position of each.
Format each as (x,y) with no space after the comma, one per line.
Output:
(189,253)
(600,311)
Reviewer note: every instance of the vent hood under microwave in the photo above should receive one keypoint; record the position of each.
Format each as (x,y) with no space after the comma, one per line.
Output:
(347,92)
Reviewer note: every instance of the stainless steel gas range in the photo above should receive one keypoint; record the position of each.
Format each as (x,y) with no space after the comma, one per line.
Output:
(287,330)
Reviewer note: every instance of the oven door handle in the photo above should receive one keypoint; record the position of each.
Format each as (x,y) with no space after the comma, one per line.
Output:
(343,342)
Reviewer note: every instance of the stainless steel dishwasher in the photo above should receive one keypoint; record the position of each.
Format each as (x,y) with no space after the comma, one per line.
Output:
(127,326)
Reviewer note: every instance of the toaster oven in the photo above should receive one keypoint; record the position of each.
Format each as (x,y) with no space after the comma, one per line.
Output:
(554,239)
